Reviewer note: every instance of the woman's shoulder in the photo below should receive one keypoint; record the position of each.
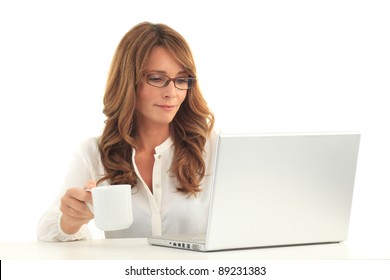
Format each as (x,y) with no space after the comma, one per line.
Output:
(212,140)
(89,145)
(214,134)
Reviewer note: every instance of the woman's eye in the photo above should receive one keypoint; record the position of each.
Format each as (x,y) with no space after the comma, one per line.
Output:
(182,81)
(155,78)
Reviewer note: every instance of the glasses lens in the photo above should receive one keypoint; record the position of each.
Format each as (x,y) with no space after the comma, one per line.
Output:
(160,80)
(183,82)
(157,80)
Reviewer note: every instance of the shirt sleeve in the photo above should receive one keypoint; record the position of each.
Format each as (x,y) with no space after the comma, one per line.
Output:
(80,170)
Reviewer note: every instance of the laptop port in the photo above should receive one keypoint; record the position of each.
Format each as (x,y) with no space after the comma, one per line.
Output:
(196,247)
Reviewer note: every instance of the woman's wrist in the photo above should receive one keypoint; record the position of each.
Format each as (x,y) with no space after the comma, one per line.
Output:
(69,226)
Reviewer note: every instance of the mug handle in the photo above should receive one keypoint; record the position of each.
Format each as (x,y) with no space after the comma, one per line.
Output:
(89,204)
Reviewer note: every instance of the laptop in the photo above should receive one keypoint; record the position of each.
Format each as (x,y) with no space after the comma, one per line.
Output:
(277,190)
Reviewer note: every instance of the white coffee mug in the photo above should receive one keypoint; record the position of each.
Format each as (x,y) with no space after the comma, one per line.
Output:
(112,207)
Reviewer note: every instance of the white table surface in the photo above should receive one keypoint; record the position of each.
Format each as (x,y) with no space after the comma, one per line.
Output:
(127,249)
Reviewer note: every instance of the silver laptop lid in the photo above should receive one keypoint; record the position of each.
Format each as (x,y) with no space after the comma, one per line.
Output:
(272,190)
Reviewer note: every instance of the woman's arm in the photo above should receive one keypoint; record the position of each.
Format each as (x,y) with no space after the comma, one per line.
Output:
(67,218)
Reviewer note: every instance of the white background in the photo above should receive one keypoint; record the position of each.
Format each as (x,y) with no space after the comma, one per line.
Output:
(264,66)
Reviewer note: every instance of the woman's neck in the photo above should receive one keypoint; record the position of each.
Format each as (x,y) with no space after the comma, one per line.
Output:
(149,138)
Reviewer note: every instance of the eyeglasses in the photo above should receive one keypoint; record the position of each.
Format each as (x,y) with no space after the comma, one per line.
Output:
(161,80)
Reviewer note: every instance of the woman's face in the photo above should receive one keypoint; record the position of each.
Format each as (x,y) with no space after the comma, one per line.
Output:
(158,106)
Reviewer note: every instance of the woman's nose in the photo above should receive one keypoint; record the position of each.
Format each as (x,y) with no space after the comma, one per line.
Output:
(170,90)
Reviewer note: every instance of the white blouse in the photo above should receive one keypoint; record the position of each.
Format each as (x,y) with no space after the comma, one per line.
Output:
(165,211)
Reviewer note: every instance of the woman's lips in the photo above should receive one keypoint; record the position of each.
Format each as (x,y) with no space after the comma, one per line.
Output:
(166,107)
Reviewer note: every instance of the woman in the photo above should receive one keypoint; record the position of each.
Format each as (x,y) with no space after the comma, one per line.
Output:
(158,137)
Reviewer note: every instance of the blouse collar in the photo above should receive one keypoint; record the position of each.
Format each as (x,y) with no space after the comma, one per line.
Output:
(164,146)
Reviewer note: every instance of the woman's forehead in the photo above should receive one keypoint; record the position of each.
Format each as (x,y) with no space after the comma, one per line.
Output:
(162,61)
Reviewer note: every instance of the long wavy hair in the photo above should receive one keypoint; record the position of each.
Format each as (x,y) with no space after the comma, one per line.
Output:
(189,129)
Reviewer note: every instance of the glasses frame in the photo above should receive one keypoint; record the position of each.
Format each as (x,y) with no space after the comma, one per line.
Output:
(191,81)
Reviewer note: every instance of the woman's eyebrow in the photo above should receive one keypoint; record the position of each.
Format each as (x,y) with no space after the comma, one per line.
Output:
(165,73)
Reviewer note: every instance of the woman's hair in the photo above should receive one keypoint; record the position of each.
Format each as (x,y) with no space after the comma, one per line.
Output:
(189,129)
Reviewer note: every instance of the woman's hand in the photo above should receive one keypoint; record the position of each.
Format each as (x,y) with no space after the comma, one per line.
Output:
(75,211)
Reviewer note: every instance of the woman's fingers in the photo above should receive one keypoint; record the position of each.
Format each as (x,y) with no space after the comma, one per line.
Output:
(90,184)
(73,203)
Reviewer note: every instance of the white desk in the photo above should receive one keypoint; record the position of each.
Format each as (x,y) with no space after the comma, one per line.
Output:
(139,249)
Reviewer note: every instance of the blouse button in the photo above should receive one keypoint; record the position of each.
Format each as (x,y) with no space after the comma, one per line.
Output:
(159,157)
